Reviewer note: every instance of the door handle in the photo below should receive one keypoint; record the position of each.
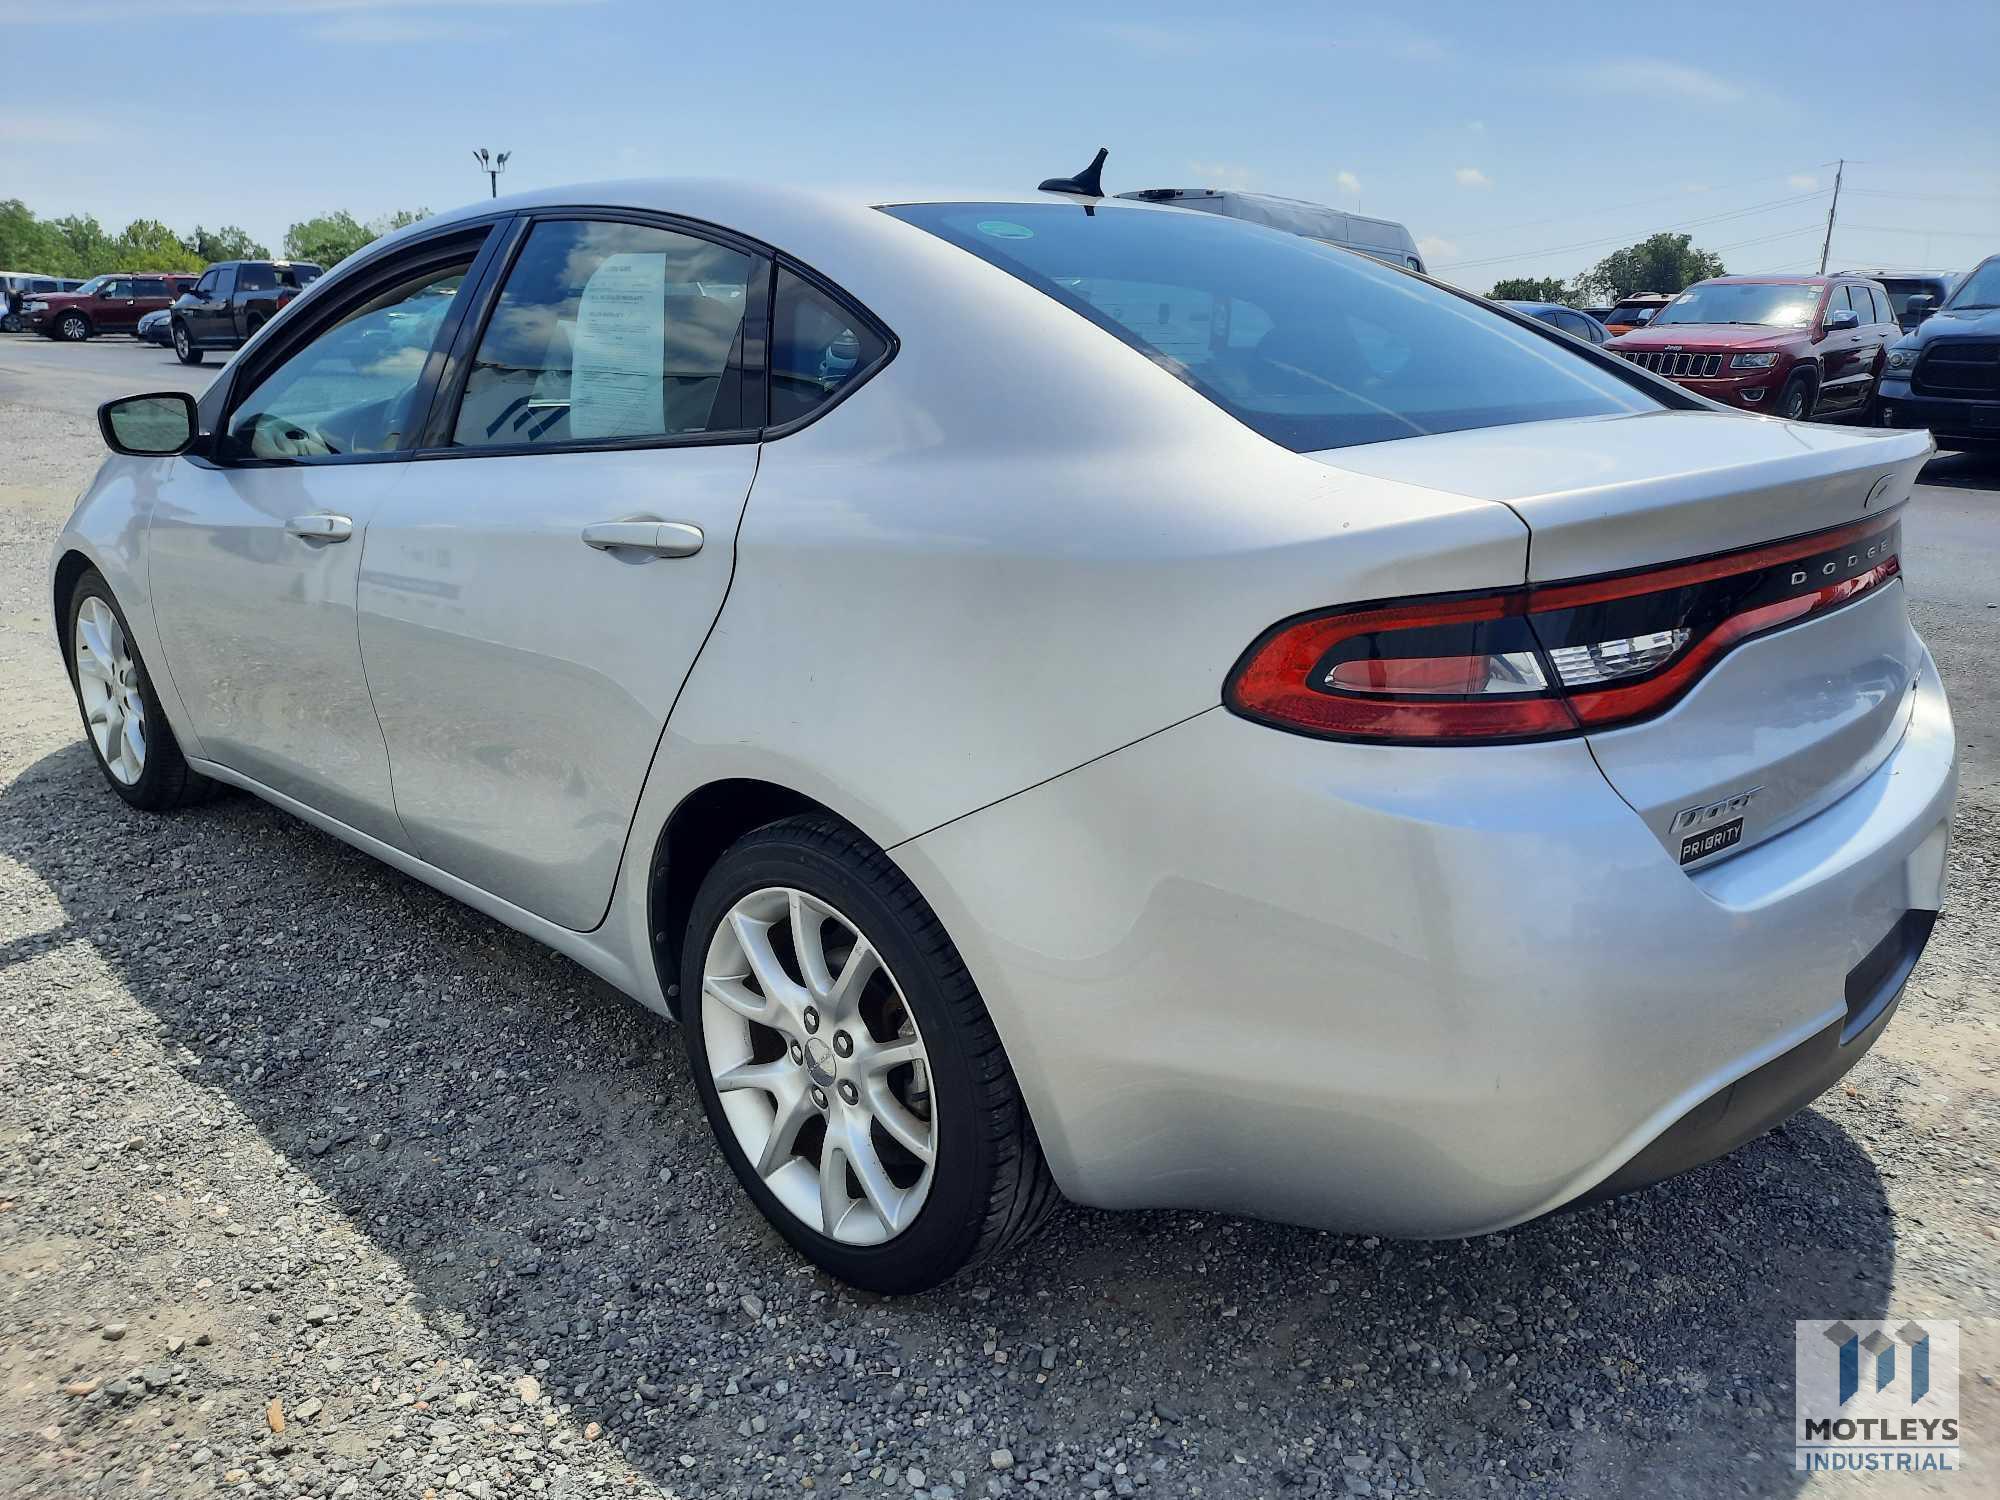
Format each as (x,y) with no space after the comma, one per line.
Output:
(322,528)
(660,538)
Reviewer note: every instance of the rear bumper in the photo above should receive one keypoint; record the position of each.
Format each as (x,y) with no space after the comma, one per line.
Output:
(1428,993)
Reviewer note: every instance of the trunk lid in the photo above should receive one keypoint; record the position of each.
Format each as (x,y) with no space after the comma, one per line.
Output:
(1796,715)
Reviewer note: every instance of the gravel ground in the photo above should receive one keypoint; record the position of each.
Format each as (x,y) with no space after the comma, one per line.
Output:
(315,1183)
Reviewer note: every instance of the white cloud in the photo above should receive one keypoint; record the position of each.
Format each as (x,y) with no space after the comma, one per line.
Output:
(1477,127)
(1347,182)
(1472,177)
(1654,78)
(1224,175)
(1802,182)
(1434,248)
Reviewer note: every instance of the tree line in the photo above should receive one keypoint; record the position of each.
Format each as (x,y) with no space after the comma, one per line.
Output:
(1663,263)
(78,246)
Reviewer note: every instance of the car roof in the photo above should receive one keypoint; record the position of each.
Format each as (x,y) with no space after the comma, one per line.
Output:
(1543,306)
(1749,279)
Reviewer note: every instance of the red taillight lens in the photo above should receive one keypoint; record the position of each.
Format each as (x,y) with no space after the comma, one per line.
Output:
(1549,659)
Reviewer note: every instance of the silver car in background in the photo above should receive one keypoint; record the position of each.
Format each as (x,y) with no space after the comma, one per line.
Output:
(1058,697)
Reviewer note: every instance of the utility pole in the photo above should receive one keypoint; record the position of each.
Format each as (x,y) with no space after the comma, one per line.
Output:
(492,166)
(1832,208)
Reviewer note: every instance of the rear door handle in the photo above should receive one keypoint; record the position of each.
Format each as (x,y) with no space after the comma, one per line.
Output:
(321,528)
(660,538)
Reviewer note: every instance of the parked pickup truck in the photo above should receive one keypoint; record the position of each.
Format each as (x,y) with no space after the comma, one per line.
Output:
(233,299)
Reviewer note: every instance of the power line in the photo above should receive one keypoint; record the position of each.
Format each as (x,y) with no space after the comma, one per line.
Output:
(1765,239)
(1927,197)
(1957,234)
(1613,239)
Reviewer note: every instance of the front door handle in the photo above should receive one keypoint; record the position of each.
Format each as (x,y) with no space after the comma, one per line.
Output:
(321,528)
(660,538)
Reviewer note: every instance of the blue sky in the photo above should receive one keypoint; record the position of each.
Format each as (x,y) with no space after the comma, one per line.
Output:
(1512,141)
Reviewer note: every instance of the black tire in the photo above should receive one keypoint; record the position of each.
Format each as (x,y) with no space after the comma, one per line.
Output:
(990,1187)
(184,349)
(165,781)
(73,328)
(1795,401)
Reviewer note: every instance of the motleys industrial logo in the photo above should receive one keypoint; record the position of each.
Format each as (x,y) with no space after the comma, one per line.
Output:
(1876,1395)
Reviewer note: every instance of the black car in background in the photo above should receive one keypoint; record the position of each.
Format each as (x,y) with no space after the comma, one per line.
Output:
(233,299)
(1946,375)
(1571,321)
(1903,285)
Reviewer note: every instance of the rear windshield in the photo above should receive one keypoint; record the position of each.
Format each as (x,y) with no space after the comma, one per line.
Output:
(1767,304)
(1311,346)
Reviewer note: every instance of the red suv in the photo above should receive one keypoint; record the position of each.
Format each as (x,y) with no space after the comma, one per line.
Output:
(104,304)
(1791,346)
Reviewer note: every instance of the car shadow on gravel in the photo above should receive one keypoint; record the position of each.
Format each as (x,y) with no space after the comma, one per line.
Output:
(527,1146)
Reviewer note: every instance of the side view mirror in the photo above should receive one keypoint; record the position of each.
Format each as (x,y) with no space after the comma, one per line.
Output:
(1842,319)
(158,425)
(1919,307)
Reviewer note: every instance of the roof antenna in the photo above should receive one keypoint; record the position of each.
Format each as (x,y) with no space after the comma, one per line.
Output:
(1089,183)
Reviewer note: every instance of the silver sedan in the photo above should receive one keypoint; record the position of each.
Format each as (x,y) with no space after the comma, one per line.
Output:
(1058,696)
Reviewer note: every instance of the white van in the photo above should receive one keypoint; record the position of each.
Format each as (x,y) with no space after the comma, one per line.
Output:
(1384,239)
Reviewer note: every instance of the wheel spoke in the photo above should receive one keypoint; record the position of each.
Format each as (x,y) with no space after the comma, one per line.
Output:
(903,1127)
(90,664)
(845,996)
(739,998)
(866,1163)
(135,742)
(754,938)
(91,627)
(101,714)
(794,1109)
(808,925)
(875,1059)
(755,1075)
(833,1199)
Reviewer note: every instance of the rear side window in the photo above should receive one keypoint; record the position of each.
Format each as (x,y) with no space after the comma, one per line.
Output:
(150,286)
(254,277)
(1311,347)
(608,331)
(818,349)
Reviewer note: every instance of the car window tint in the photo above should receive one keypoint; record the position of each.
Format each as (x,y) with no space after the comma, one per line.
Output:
(150,286)
(607,331)
(817,347)
(353,387)
(206,286)
(255,278)
(116,287)
(1353,352)
(1883,312)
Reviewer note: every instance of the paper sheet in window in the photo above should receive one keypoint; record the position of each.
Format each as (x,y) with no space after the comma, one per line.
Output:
(619,359)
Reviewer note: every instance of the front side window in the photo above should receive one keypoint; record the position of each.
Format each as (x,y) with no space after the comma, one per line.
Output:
(352,389)
(206,286)
(608,331)
(1768,304)
(1310,346)
(1980,289)
(117,286)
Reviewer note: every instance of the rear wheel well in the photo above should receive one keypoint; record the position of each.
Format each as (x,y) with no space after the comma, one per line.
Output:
(706,823)
(72,567)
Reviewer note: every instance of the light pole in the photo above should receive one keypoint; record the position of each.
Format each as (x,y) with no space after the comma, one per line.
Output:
(492,166)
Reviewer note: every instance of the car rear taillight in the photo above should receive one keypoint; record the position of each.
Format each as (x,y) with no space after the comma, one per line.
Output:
(1547,659)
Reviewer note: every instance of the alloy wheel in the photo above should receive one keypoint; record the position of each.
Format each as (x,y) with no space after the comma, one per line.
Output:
(107,679)
(181,340)
(819,1065)
(75,329)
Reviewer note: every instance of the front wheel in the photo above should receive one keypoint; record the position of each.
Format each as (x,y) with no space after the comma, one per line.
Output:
(184,345)
(134,745)
(1795,402)
(850,1070)
(73,328)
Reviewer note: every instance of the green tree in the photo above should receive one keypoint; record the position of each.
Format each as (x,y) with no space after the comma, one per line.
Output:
(328,239)
(27,244)
(86,249)
(1663,263)
(1528,289)
(227,243)
(148,245)
(402,218)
